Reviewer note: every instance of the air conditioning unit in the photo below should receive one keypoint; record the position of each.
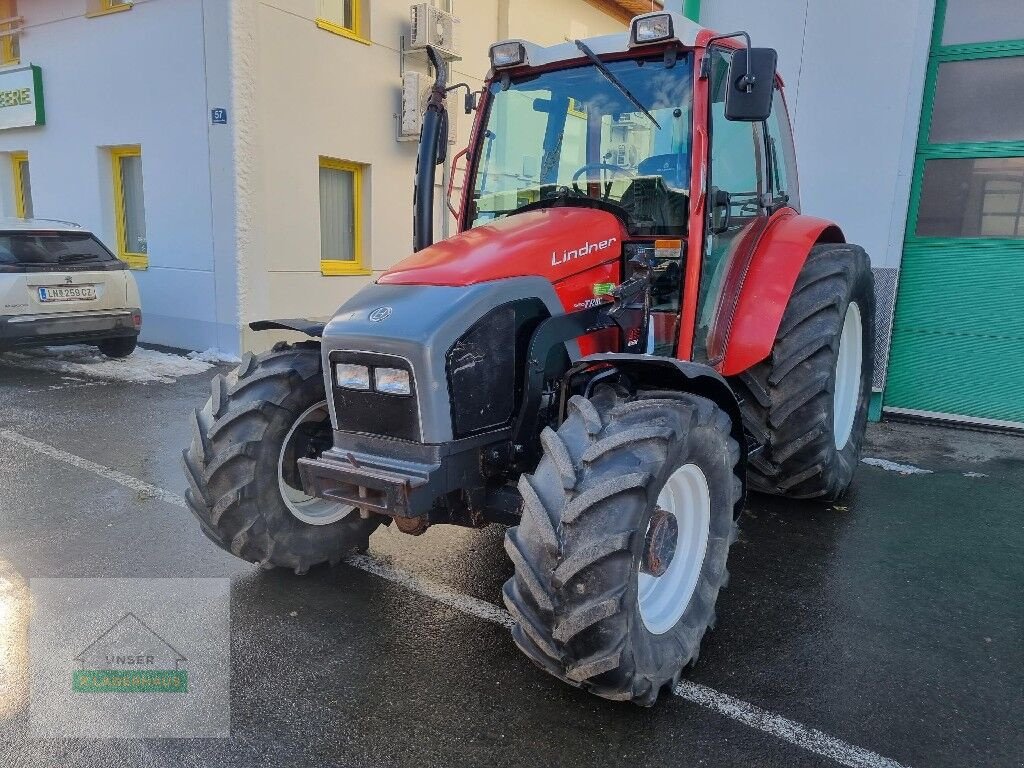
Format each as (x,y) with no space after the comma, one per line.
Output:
(434,27)
(415,93)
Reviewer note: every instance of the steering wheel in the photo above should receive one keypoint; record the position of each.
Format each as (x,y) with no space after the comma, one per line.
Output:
(613,169)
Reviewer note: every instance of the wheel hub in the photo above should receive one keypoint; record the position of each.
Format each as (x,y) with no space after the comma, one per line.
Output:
(660,544)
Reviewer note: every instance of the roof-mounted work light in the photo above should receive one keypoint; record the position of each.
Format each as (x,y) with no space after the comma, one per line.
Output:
(652,28)
(506,55)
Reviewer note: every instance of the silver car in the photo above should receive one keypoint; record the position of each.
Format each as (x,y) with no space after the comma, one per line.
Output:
(60,285)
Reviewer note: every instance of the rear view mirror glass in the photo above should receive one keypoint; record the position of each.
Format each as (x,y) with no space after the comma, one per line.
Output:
(749,98)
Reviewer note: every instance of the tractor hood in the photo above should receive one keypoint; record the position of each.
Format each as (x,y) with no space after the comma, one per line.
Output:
(552,242)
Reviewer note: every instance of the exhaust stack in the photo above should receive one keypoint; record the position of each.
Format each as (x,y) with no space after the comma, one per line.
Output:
(433,150)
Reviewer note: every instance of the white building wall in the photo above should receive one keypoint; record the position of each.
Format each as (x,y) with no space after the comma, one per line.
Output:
(140,77)
(854,76)
(312,93)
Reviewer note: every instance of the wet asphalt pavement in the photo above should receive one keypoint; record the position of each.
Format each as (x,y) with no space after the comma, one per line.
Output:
(893,620)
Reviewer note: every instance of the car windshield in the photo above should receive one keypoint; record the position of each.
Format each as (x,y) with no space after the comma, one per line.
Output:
(51,248)
(573,133)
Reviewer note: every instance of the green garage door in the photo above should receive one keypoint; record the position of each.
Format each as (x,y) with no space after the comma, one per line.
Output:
(958,332)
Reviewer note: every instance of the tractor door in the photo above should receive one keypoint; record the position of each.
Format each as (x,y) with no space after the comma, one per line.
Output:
(736,198)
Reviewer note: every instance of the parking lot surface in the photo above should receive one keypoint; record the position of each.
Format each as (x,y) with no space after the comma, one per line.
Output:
(884,630)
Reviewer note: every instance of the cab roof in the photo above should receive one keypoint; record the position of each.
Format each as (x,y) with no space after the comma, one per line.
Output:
(686,32)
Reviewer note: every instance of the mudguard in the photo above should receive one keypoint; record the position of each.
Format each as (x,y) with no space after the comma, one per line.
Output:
(311,328)
(758,290)
(668,373)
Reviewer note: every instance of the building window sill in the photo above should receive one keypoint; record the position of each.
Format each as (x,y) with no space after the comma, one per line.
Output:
(108,11)
(135,261)
(330,268)
(337,29)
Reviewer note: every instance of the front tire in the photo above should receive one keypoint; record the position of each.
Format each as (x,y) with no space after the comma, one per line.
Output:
(613,592)
(807,403)
(242,465)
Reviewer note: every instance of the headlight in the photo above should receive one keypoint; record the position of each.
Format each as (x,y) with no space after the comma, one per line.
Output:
(651,29)
(508,55)
(391,381)
(352,376)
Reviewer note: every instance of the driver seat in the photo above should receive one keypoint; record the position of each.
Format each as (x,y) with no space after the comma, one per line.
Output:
(659,194)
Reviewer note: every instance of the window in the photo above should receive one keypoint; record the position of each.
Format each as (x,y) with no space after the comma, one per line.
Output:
(972,197)
(341,213)
(22,185)
(781,156)
(978,100)
(343,17)
(100,7)
(129,206)
(10,28)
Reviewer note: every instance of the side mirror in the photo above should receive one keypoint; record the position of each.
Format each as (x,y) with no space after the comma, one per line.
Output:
(751,85)
(471,102)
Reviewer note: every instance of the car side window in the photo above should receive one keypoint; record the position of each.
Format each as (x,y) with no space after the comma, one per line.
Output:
(781,156)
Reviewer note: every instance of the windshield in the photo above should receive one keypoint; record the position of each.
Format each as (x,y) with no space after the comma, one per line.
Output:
(573,133)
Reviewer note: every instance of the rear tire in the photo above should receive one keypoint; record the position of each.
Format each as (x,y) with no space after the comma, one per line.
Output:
(241,465)
(585,613)
(118,348)
(807,403)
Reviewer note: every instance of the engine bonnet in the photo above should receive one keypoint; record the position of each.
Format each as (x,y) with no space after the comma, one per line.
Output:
(553,243)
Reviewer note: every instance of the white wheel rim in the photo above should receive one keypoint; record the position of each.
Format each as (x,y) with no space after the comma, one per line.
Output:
(308,509)
(848,371)
(664,598)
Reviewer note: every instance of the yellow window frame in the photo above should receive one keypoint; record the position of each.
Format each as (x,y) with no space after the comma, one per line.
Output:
(9,53)
(355,32)
(19,161)
(103,7)
(358,265)
(134,260)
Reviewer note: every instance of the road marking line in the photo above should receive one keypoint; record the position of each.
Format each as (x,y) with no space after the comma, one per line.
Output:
(795,733)
(91,466)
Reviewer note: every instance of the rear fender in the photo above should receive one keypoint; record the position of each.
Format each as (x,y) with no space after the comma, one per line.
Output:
(311,328)
(757,293)
(667,373)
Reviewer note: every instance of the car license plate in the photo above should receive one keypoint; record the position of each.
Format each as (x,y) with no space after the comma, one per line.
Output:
(67,293)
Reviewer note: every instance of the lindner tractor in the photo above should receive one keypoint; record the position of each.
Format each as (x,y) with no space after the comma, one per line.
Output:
(634,324)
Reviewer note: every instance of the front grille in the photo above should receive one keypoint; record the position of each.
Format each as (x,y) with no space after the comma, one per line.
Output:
(485,363)
(376,413)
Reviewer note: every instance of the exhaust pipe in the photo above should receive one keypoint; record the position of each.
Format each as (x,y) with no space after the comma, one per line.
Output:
(433,150)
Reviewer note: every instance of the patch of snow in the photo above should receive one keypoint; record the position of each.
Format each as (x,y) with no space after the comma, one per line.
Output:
(143,366)
(892,466)
(975,474)
(215,356)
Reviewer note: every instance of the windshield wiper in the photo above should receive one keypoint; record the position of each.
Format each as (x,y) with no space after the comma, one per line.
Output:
(615,81)
(66,258)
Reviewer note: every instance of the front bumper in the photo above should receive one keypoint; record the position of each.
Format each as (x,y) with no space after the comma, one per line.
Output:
(392,477)
(67,327)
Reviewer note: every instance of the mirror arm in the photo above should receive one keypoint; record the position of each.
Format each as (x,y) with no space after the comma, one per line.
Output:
(748,80)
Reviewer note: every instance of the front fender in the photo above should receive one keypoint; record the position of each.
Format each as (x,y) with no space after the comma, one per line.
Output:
(668,373)
(751,312)
(311,328)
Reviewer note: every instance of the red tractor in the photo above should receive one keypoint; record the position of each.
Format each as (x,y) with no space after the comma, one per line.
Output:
(634,324)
